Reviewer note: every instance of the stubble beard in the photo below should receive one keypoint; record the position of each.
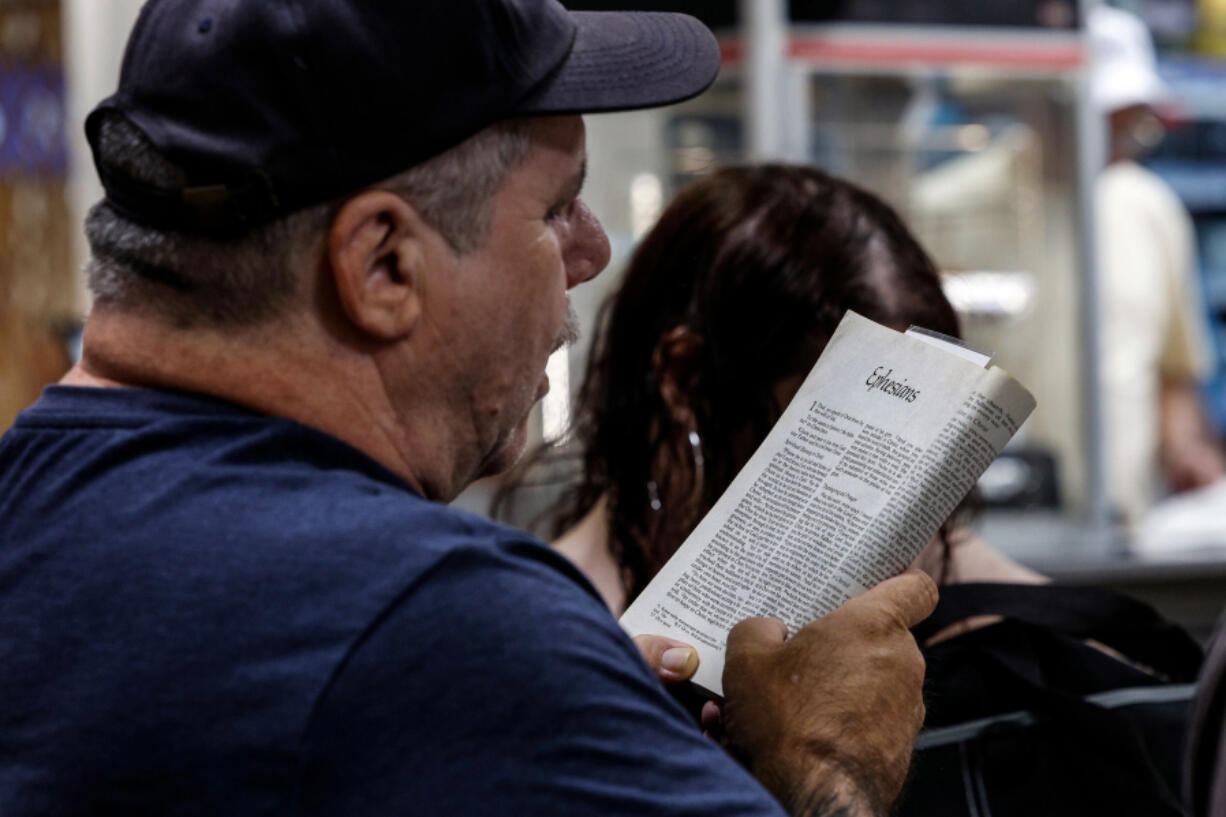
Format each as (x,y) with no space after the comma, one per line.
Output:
(510,448)
(570,333)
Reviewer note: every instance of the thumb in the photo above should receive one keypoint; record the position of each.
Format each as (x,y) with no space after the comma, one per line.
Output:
(909,598)
(671,660)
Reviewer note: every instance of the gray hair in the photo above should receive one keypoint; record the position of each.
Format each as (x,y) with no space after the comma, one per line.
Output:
(193,280)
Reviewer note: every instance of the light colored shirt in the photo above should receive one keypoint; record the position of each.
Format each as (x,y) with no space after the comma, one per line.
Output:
(1153,321)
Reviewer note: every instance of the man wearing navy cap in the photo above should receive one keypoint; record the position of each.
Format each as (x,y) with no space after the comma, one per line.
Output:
(330,265)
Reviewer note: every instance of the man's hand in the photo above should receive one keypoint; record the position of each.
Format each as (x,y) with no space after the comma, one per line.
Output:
(827,718)
(672,661)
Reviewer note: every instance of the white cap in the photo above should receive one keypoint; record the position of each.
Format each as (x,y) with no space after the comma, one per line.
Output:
(1123,65)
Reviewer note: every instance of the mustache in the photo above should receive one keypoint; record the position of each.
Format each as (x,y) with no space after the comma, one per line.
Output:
(570,333)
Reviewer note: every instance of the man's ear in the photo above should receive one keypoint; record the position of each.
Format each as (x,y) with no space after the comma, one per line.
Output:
(377,252)
(675,361)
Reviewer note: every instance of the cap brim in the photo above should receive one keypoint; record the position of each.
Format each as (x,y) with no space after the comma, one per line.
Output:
(626,60)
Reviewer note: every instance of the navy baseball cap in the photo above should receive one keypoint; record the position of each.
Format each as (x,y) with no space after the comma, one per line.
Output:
(273,105)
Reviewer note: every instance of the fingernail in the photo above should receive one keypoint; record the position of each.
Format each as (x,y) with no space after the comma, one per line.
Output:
(678,659)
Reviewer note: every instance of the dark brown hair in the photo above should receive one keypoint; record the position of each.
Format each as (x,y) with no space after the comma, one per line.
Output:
(760,263)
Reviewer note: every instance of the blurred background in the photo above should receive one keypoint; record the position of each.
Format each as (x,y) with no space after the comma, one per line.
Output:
(983,123)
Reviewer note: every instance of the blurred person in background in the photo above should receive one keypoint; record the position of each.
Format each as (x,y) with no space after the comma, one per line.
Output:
(1156,345)
(1156,349)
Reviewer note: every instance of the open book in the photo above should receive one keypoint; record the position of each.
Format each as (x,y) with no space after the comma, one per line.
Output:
(885,437)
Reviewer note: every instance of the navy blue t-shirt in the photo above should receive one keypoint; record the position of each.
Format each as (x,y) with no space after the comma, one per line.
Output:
(204,610)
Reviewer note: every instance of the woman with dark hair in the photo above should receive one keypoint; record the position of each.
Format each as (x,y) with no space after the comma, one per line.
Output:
(723,310)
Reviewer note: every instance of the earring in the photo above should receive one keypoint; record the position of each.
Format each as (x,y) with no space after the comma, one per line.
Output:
(696,450)
(653,490)
(653,495)
(699,464)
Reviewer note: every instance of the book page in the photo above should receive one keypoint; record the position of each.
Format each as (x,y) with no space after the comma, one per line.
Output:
(885,437)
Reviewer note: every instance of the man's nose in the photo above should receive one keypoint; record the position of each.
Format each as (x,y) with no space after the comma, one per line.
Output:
(589,252)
